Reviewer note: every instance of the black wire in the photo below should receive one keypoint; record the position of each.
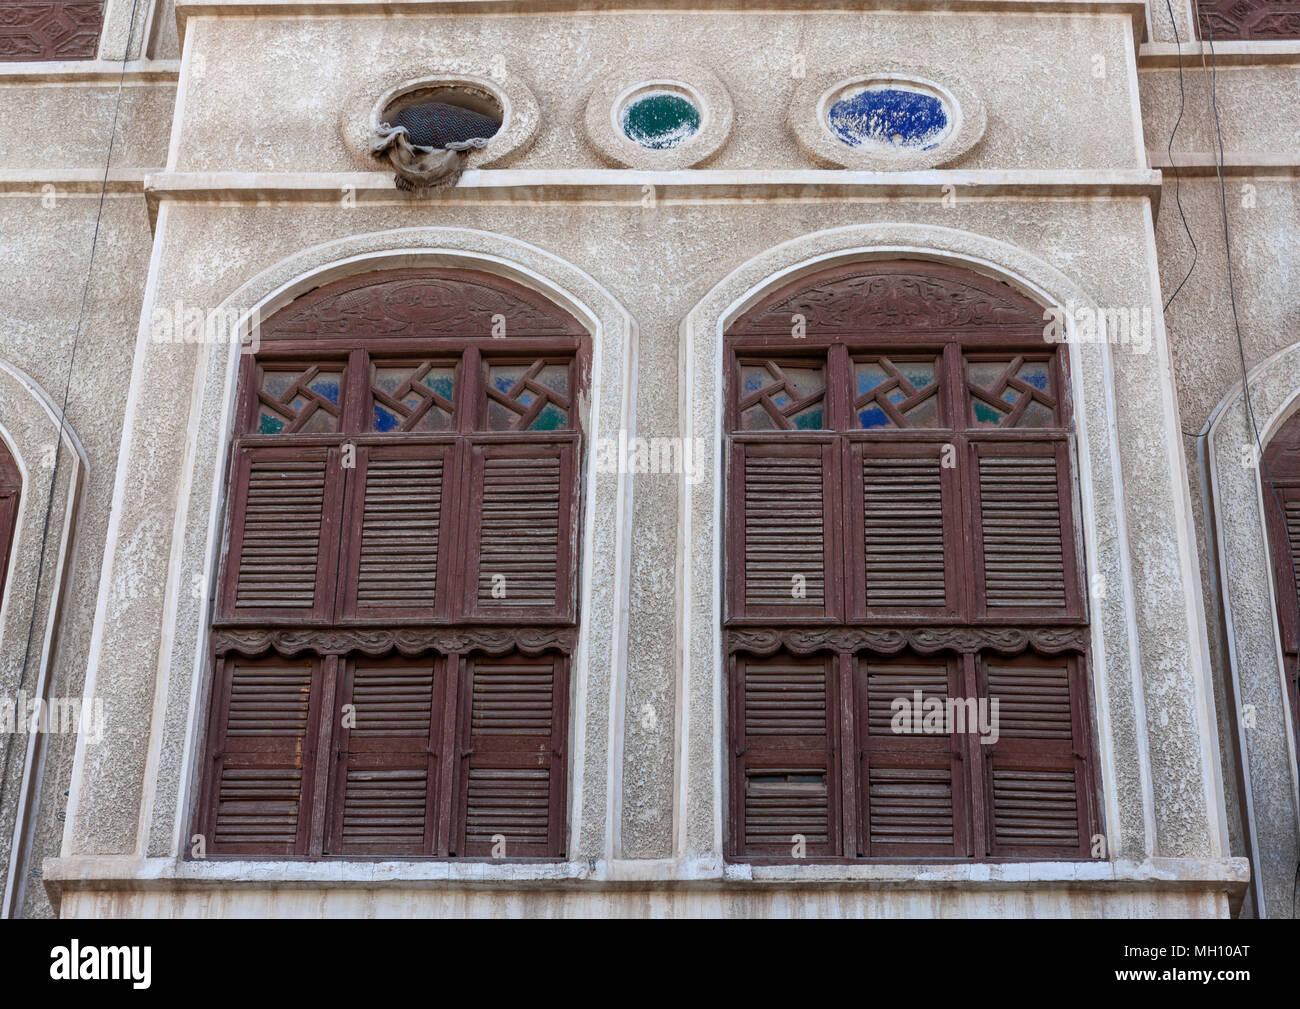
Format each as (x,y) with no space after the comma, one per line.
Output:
(1178,181)
(1236,323)
(63,411)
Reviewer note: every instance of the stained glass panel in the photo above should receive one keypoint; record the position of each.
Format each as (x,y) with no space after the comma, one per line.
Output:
(1011,392)
(299,400)
(784,397)
(528,396)
(896,394)
(413,396)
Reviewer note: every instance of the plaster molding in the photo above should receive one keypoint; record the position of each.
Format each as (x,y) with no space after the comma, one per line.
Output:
(30,428)
(1250,615)
(164,774)
(361,115)
(1125,756)
(814,95)
(706,91)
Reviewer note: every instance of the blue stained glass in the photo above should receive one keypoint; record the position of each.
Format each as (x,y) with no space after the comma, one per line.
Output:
(550,419)
(781,400)
(269,425)
(1035,375)
(504,383)
(896,396)
(886,115)
(442,385)
(919,379)
(868,380)
(385,420)
(526,398)
(809,420)
(873,416)
(329,388)
(660,120)
(1010,395)
(986,414)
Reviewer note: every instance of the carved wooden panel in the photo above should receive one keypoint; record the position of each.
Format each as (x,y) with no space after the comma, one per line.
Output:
(1239,20)
(890,296)
(419,305)
(50,30)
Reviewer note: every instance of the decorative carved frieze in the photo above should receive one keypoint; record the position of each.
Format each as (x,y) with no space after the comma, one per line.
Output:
(1007,640)
(420,305)
(1242,20)
(50,30)
(409,641)
(878,300)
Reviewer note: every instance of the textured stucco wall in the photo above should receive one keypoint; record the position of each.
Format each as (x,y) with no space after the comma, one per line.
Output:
(279,111)
(266,94)
(53,144)
(1262,207)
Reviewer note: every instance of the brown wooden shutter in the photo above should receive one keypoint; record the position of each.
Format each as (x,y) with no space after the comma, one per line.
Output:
(262,748)
(906,539)
(1284,544)
(512,780)
(1036,774)
(284,529)
(784,540)
(913,782)
(1025,549)
(786,778)
(386,759)
(523,523)
(396,550)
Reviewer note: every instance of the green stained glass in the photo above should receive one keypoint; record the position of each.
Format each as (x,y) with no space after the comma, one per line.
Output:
(985,415)
(660,120)
(269,423)
(551,418)
(442,383)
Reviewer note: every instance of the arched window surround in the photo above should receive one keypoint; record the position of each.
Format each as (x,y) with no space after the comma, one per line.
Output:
(378,405)
(831,353)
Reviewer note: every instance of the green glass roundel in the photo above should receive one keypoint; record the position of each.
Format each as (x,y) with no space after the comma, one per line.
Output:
(660,120)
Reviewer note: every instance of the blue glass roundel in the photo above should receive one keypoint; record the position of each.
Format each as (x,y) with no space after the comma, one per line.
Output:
(889,116)
(660,120)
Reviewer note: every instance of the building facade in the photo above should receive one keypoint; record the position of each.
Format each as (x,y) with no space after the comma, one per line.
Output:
(608,508)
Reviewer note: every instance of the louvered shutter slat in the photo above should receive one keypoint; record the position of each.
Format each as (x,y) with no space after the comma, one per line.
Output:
(1036,772)
(398,501)
(784,563)
(906,551)
(512,781)
(283,526)
(789,790)
(264,721)
(911,775)
(1025,532)
(386,791)
(524,529)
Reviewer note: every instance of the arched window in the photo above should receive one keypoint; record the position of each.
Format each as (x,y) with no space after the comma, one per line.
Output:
(396,609)
(1283,517)
(906,622)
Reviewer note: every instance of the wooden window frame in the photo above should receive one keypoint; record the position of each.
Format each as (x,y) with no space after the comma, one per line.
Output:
(969,628)
(1280,477)
(339,633)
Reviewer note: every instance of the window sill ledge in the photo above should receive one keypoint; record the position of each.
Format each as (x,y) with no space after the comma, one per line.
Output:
(110,873)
